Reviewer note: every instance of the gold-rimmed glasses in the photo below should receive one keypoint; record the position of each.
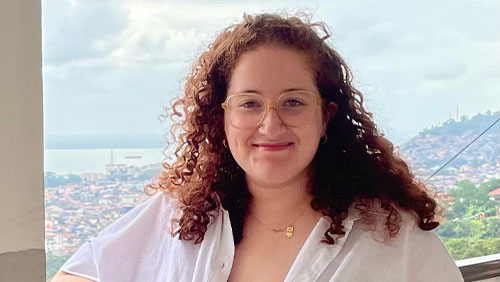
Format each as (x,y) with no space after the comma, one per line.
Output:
(295,108)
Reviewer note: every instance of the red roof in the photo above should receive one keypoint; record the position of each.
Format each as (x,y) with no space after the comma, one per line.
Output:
(495,192)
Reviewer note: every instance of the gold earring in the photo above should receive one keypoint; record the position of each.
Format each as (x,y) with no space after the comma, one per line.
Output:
(324,141)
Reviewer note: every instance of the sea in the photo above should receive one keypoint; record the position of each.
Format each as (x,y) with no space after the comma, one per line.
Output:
(77,161)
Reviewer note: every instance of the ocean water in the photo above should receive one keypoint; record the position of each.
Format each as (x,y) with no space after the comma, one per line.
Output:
(66,161)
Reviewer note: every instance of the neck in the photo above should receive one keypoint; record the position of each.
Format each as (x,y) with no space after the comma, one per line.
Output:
(279,203)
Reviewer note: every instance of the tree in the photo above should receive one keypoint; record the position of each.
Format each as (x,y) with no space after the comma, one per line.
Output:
(53,264)
(462,248)
(492,228)
(490,185)
(464,234)
(471,200)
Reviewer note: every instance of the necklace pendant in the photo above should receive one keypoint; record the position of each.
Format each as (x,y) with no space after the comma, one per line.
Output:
(289,231)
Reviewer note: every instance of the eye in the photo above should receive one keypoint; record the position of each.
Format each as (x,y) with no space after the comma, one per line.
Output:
(250,104)
(293,103)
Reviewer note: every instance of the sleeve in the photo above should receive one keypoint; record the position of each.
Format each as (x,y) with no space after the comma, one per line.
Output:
(430,261)
(82,263)
(114,251)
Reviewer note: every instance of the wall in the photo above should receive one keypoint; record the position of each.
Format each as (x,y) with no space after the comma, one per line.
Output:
(22,254)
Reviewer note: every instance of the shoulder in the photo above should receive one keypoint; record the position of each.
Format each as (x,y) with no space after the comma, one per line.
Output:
(410,253)
(159,205)
(149,221)
(130,244)
(372,223)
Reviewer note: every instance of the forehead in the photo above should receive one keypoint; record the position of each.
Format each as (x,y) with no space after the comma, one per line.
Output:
(270,70)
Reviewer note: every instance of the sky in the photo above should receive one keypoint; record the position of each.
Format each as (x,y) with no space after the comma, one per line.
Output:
(110,67)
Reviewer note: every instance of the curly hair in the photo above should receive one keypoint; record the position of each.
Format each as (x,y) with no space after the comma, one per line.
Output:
(358,162)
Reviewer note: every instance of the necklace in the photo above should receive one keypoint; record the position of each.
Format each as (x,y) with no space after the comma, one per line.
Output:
(289,229)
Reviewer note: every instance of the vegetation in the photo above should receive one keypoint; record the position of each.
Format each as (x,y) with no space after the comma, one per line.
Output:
(464,125)
(472,226)
(53,264)
(432,147)
(468,247)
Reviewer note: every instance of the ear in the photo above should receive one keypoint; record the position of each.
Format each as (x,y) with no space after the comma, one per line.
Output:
(331,110)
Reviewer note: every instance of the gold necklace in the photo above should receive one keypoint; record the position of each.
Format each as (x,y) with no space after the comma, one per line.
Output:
(289,229)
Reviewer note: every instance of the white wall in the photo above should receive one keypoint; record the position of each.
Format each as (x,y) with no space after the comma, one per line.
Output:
(22,256)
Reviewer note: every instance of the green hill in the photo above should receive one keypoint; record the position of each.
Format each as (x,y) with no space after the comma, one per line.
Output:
(466,125)
(434,146)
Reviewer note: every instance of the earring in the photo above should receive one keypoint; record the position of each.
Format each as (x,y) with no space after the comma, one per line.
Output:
(324,141)
(224,143)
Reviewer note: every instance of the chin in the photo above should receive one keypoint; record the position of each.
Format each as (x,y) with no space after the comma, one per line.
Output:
(274,175)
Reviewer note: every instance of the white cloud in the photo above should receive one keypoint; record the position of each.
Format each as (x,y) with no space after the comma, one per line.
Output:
(415,60)
(69,28)
(165,32)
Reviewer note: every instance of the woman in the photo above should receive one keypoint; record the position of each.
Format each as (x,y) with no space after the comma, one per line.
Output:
(280,175)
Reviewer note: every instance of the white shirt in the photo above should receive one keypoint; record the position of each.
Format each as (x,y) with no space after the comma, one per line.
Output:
(139,247)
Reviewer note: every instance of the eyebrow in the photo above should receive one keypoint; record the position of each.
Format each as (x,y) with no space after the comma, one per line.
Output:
(284,91)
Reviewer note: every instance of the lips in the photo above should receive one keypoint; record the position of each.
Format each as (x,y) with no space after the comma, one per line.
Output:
(274,146)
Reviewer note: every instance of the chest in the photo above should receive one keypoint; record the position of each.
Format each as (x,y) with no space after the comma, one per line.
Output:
(266,256)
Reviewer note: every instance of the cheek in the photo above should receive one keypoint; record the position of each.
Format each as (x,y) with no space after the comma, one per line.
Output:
(226,127)
(237,139)
(230,131)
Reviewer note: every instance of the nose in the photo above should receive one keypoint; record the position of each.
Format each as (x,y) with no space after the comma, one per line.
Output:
(271,124)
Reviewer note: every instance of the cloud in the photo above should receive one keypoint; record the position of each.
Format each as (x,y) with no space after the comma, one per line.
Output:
(70,28)
(166,32)
(110,65)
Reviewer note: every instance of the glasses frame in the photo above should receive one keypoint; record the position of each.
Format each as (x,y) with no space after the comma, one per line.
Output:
(270,104)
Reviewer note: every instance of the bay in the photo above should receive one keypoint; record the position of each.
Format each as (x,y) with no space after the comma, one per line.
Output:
(77,161)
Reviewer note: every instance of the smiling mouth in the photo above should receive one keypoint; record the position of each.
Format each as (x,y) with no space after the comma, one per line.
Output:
(274,146)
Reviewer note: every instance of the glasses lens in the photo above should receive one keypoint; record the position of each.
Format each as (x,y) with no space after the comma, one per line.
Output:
(294,108)
(245,110)
(297,108)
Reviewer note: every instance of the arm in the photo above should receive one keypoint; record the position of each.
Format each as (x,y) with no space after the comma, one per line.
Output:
(62,276)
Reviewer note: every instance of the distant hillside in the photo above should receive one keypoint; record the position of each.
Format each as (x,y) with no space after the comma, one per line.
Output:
(466,125)
(432,147)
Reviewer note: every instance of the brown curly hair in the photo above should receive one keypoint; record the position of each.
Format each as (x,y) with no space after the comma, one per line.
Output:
(357,163)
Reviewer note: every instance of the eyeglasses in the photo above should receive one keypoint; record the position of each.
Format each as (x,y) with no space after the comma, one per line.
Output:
(295,108)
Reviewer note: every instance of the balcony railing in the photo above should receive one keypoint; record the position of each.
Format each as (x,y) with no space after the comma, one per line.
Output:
(480,268)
